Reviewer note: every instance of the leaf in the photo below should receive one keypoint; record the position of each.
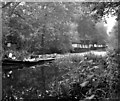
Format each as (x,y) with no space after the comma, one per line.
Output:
(95,67)
(84,84)
(91,97)
(89,76)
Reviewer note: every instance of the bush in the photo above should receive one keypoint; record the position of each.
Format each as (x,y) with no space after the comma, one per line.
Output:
(71,77)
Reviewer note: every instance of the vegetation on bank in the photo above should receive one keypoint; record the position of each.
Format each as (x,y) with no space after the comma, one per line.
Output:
(73,78)
(39,28)
(52,27)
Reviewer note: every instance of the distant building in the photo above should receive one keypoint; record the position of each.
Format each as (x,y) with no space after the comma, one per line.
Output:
(81,44)
(86,45)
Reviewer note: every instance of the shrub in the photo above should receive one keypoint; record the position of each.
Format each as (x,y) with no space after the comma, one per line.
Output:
(70,77)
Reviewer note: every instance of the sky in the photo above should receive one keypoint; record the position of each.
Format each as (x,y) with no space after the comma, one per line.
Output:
(110,23)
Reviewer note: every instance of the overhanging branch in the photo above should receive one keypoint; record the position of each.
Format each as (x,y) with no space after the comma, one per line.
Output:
(6,4)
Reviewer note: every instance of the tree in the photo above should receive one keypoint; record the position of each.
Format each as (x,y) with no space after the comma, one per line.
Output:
(88,29)
(99,11)
(40,22)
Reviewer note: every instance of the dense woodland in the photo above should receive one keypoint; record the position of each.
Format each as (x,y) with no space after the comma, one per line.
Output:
(35,28)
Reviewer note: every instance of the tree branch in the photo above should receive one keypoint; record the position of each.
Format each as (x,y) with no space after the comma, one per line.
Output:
(12,9)
(16,13)
(6,4)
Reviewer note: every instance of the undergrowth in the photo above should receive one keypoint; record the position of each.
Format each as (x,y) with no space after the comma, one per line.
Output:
(91,77)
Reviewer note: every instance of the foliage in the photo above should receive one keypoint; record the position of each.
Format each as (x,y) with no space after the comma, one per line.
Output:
(72,77)
(39,28)
(100,9)
(39,25)
(87,30)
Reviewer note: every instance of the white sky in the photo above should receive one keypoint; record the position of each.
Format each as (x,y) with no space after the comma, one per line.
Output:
(110,23)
